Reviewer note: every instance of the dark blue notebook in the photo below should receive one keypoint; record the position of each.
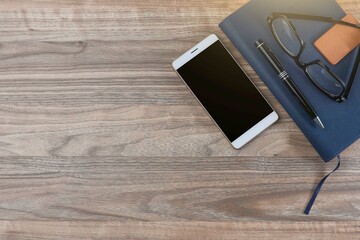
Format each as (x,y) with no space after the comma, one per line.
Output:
(342,120)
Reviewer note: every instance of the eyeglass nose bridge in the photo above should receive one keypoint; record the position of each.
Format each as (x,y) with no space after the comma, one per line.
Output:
(299,62)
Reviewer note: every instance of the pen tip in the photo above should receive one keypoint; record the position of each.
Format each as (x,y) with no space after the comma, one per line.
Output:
(318,121)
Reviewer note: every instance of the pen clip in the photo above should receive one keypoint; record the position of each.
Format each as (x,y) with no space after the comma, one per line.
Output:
(273,56)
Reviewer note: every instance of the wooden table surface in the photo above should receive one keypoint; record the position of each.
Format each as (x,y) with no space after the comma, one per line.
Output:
(100,139)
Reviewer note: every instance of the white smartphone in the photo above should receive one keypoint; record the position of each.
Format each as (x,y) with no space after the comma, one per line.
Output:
(225,91)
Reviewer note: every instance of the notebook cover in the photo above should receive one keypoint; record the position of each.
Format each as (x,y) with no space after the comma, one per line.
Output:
(342,120)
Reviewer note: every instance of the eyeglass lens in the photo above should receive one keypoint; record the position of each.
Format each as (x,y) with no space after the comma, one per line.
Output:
(287,36)
(325,79)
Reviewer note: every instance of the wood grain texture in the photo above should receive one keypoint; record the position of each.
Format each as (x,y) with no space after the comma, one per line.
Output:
(179,230)
(99,138)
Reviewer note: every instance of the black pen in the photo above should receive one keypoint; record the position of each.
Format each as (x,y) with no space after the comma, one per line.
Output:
(284,76)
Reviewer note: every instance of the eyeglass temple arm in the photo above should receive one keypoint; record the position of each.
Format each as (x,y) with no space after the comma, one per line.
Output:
(318,18)
(353,75)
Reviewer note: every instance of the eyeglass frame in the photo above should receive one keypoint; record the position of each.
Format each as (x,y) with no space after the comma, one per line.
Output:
(304,66)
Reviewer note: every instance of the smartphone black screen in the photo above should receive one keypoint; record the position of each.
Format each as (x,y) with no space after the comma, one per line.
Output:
(225,91)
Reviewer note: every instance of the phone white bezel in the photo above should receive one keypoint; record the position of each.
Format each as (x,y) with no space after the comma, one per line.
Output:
(257,128)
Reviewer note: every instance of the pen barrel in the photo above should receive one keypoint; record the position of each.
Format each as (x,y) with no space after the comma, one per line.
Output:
(299,96)
(284,76)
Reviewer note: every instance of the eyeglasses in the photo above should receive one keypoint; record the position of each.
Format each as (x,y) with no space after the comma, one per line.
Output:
(320,75)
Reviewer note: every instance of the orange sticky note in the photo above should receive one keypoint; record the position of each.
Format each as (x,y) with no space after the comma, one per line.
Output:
(339,41)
